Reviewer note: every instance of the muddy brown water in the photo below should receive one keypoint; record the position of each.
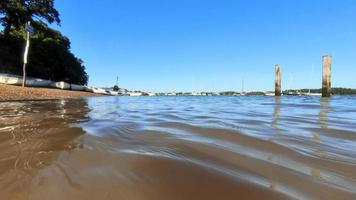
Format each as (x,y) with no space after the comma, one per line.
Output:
(179,148)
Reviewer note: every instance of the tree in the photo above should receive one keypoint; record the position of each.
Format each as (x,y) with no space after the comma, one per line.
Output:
(49,58)
(16,13)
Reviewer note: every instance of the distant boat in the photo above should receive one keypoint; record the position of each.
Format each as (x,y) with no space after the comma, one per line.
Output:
(88,89)
(134,94)
(114,93)
(215,94)
(309,93)
(100,91)
(149,94)
(242,88)
(312,94)
(269,94)
(289,93)
(294,94)
(170,94)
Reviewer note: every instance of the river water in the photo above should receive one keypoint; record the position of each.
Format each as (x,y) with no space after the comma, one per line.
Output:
(163,148)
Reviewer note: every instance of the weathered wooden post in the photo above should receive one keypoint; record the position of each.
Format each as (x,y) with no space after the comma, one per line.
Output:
(277,83)
(326,83)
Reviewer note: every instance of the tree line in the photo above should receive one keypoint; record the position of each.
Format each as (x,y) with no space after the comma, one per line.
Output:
(334,91)
(49,56)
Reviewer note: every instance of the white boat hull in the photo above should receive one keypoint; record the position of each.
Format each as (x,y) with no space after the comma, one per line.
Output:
(312,94)
(135,94)
(77,87)
(114,93)
(100,91)
(36,82)
(17,80)
(88,89)
(61,85)
(10,80)
(270,94)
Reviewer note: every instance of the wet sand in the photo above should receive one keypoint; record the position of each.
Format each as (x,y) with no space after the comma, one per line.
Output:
(10,92)
(143,148)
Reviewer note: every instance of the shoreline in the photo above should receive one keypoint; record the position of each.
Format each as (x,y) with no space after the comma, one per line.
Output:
(18,93)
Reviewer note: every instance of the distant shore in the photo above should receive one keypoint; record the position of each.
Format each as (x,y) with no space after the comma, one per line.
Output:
(11,93)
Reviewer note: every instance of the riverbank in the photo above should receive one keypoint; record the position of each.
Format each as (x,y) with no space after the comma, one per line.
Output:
(10,93)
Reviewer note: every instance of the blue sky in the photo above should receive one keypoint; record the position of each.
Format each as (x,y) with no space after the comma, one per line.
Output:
(180,45)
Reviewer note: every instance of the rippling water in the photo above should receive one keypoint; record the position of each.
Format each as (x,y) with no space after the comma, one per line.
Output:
(179,148)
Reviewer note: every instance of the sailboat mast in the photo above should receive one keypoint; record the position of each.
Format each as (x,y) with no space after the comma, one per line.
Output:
(242,86)
(311,77)
(290,82)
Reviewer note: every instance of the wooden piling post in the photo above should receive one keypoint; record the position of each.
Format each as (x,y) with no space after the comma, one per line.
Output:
(326,83)
(277,83)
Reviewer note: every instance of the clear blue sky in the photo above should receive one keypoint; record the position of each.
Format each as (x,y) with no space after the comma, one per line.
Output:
(177,45)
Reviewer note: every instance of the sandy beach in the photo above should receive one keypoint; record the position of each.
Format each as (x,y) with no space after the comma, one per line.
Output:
(10,93)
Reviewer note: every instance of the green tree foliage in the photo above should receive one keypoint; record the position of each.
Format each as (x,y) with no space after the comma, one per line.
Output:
(343,91)
(49,56)
(229,93)
(15,13)
(334,91)
(256,93)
